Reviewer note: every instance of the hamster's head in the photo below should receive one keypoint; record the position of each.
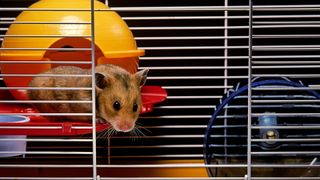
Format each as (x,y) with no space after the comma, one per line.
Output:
(118,96)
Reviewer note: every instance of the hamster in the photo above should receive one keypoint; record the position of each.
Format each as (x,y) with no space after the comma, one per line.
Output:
(118,98)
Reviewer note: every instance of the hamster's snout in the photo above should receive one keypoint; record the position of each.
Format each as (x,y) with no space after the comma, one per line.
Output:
(119,125)
(123,126)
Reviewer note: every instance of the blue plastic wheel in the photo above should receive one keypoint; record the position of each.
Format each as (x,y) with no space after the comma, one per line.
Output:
(226,134)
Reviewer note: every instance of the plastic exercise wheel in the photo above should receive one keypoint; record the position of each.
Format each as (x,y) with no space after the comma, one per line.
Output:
(276,114)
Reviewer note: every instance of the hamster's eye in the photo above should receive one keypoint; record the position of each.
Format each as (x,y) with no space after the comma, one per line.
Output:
(116,106)
(135,107)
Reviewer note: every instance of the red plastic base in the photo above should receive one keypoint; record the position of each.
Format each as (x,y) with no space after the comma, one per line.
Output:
(40,126)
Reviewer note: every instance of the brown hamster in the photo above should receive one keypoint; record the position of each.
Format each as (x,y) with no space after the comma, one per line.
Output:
(118,99)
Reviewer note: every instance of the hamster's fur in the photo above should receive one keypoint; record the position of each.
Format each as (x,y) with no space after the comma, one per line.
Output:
(118,99)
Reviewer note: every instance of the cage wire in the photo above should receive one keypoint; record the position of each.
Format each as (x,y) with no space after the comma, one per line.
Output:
(214,124)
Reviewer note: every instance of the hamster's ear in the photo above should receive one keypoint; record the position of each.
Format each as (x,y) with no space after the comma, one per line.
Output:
(101,81)
(141,77)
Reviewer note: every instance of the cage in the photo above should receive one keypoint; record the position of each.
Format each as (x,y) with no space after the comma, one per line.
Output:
(242,85)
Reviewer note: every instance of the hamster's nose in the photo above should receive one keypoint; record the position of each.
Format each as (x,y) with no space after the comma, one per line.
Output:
(124,127)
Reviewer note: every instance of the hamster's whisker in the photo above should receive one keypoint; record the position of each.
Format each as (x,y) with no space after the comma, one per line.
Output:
(138,131)
(111,132)
(114,132)
(140,128)
(133,135)
(107,133)
(146,129)
(100,135)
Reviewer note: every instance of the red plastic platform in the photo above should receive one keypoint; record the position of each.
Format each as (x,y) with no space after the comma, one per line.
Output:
(40,126)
